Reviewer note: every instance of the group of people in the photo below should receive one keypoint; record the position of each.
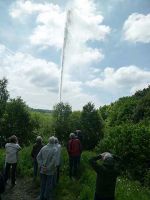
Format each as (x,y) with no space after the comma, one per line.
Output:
(47,161)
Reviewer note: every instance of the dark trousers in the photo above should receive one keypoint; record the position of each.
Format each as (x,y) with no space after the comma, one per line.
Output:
(73,165)
(58,173)
(46,187)
(96,197)
(35,167)
(13,167)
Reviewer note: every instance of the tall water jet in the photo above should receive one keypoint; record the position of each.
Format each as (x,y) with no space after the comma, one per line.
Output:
(66,30)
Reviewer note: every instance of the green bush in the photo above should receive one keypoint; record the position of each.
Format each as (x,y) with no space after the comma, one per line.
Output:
(132,143)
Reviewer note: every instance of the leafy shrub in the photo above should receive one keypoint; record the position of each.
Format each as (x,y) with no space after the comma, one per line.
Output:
(132,144)
(92,126)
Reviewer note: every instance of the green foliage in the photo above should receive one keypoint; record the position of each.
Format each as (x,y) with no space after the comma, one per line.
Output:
(142,93)
(132,109)
(129,190)
(119,112)
(61,114)
(127,132)
(147,178)
(25,165)
(75,121)
(82,188)
(15,118)
(92,126)
(104,111)
(17,121)
(2,159)
(142,111)
(42,123)
(3,95)
(132,144)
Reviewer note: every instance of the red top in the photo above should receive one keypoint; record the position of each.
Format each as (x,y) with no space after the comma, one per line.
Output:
(74,147)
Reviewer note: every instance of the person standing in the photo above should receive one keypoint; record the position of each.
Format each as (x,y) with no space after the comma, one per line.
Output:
(35,150)
(74,151)
(12,149)
(58,159)
(46,159)
(78,134)
(106,176)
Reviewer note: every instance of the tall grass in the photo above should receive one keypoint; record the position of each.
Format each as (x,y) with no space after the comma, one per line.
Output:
(24,166)
(84,186)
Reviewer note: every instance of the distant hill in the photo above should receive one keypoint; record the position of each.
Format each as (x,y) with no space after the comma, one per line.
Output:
(41,110)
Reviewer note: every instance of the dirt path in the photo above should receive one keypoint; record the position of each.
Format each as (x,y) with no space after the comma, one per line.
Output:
(23,190)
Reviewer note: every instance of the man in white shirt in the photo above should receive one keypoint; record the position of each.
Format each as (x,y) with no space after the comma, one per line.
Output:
(12,149)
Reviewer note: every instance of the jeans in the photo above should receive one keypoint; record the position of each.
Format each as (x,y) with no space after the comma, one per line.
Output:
(12,174)
(35,167)
(46,187)
(73,164)
(96,197)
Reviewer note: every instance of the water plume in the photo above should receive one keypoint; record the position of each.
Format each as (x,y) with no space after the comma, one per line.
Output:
(63,56)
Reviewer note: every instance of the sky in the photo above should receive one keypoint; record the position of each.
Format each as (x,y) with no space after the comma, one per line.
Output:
(107,52)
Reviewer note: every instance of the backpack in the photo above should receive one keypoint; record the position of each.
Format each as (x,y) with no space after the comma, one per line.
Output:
(2,184)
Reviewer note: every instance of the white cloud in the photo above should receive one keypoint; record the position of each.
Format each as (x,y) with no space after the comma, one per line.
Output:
(86,25)
(50,20)
(130,78)
(37,81)
(137,28)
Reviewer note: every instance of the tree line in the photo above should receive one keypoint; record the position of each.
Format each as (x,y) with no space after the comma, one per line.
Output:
(123,127)
(17,118)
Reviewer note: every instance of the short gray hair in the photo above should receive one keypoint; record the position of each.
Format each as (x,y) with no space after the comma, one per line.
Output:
(107,156)
(39,138)
(72,135)
(51,140)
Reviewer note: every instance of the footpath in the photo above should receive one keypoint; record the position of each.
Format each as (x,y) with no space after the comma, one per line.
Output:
(23,190)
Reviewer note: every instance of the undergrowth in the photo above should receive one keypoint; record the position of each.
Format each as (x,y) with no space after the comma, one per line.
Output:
(83,187)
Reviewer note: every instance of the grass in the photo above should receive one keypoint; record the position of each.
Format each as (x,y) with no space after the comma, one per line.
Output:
(82,188)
